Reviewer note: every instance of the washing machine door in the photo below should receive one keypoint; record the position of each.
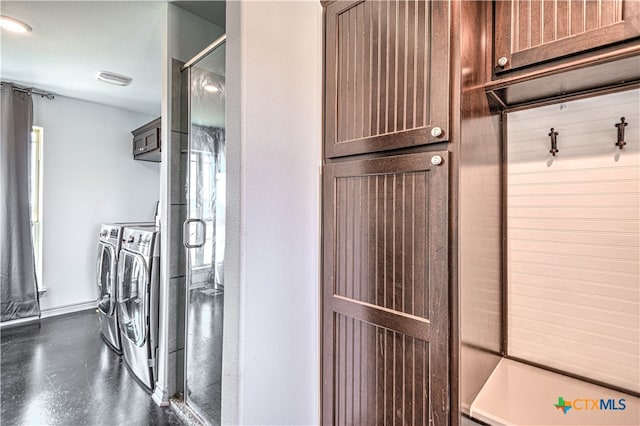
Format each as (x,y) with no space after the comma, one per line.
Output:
(133,296)
(106,278)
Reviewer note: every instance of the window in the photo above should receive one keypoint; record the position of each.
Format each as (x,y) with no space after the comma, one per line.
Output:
(36,200)
(211,182)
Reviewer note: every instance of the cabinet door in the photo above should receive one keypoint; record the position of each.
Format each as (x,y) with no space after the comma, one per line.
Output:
(528,32)
(385,291)
(152,139)
(387,75)
(138,145)
(146,141)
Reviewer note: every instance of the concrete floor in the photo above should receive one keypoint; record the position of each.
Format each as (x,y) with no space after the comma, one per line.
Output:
(469,422)
(204,349)
(62,373)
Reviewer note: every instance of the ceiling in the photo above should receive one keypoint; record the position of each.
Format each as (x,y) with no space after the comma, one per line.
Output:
(73,40)
(212,11)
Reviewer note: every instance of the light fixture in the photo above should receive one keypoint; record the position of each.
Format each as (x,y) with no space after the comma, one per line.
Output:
(211,88)
(113,78)
(14,25)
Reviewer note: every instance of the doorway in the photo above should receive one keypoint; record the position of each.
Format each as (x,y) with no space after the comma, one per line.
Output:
(204,232)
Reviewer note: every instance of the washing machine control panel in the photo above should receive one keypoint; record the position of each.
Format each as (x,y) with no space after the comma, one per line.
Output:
(110,234)
(140,241)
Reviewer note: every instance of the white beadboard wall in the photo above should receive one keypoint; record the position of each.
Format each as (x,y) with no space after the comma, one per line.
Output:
(573,230)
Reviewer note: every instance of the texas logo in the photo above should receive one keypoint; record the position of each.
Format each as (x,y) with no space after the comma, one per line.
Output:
(589,404)
(563,405)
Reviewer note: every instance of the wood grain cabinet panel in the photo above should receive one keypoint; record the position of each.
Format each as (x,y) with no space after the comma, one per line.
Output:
(382,376)
(385,285)
(529,32)
(146,142)
(387,75)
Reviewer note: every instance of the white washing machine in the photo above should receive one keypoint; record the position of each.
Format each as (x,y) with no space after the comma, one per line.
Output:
(109,242)
(138,289)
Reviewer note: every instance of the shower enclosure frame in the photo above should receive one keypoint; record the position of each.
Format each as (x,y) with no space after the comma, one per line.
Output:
(188,67)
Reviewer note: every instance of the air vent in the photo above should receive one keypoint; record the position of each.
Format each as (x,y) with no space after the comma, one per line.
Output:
(113,78)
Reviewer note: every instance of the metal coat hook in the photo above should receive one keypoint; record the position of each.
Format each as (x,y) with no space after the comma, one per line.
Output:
(621,125)
(554,142)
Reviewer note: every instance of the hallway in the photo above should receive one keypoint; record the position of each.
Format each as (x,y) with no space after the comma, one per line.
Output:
(62,373)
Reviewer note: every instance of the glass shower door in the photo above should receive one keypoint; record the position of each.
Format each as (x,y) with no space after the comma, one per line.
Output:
(204,235)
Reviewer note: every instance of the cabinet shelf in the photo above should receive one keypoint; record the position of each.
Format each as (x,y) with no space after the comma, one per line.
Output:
(607,71)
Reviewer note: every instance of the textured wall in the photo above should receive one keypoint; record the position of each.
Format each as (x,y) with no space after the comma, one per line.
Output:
(274,113)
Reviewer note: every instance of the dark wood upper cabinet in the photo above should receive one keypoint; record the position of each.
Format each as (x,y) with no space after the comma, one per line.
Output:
(387,75)
(529,32)
(146,142)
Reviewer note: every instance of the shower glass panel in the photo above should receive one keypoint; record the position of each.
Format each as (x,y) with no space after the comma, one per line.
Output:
(205,235)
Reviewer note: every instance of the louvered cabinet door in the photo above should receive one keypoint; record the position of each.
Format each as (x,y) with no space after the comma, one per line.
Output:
(385,285)
(528,32)
(387,75)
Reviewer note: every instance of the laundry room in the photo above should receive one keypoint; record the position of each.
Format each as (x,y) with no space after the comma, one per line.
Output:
(83,171)
(92,95)
(129,183)
(320,212)
(84,185)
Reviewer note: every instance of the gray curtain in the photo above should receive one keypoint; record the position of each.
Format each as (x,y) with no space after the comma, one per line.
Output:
(18,289)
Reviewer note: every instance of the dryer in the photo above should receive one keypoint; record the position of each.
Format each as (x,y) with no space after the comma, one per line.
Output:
(107,263)
(138,296)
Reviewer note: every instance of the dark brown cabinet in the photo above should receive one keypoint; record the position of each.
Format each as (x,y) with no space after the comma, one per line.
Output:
(146,142)
(529,32)
(413,222)
(387,75)
(386,228)
(385,302)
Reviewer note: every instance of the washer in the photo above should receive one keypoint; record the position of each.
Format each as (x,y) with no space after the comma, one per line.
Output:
(138,288)
(109,241)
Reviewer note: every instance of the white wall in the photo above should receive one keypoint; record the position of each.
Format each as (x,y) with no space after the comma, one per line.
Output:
(89,177)
(573,227)
(274,116)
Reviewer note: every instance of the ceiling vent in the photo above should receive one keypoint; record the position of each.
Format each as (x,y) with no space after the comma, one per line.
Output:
(113,78)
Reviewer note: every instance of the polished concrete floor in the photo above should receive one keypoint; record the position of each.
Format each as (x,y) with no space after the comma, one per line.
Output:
(204,349)
(62,373)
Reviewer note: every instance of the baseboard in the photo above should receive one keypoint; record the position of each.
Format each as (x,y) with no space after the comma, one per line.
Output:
(52,312)
(68,309)
(19,321)
(160,396)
